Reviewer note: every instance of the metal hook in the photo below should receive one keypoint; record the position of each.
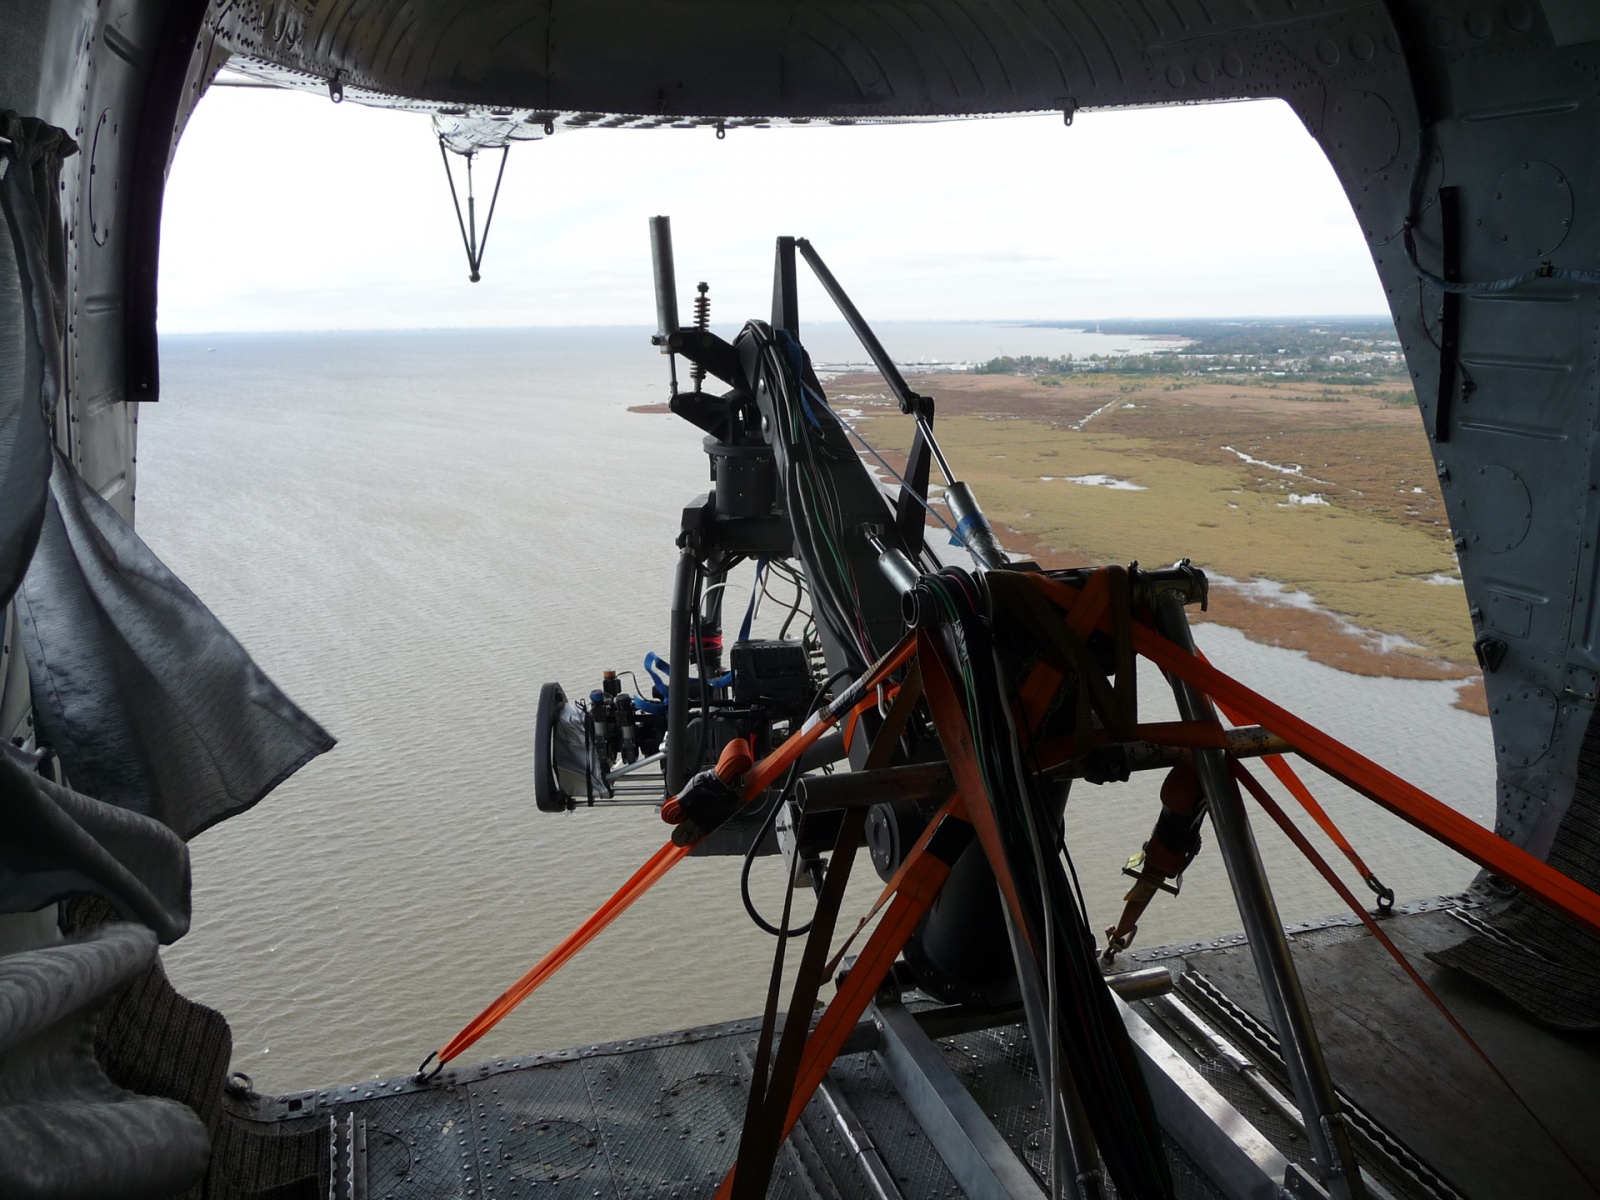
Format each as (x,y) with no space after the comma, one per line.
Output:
(722,131)
(336,88)
(1385,895)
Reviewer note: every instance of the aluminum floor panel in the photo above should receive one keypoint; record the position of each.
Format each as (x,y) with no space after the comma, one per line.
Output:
(644,1119)
(659,1117)
(1398,1059)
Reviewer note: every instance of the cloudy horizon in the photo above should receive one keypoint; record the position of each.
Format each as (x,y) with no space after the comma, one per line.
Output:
(285,212)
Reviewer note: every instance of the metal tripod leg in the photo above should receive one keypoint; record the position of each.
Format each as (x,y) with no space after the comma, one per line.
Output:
(1286,1003)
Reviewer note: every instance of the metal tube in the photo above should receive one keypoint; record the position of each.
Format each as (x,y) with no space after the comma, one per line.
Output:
(1269,947)
(666,280)
(918,782)
(1230,1054)
(902,575)
(676,771)
(858,325)
(933,444)
(973,528)
(875,1172)
(825,751)
(1252,1074)
(932,782)
(1250,741)
(1141,984)
(897,568)
(649,760)
(1073,1154)
(1242,1163)
(984,1165)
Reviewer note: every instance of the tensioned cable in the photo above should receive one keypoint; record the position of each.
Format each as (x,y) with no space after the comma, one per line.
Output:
(1425,153)
(1545,270)
(900,479)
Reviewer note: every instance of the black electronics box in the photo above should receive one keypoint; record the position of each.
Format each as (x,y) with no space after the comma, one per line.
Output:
(774,674)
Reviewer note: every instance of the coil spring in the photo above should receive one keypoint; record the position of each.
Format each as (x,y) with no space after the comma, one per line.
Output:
(702,320)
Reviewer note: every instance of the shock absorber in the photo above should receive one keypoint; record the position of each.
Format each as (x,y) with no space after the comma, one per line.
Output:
(702,320)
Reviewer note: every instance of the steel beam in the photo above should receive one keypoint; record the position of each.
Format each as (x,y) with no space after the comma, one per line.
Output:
(1269,947)
(979,1158)
(1231,1151)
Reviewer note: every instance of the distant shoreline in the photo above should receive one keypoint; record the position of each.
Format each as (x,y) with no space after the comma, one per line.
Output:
(1146,327)
(1205,454)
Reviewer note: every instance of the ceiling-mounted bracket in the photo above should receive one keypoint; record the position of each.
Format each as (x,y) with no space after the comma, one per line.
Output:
(471,240)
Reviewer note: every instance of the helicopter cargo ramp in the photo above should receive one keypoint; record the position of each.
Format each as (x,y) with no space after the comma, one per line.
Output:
(941,1101)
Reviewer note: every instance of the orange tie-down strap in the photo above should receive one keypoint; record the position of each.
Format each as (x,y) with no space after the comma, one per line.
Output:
(1286,775)
(1303,844)
(642,880)
(929,867)
(852,700)
(1408,802)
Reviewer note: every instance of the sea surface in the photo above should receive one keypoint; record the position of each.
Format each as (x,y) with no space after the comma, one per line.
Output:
(412,532)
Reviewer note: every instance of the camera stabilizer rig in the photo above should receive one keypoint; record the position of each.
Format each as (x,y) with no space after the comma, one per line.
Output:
(966,702)
(791,494)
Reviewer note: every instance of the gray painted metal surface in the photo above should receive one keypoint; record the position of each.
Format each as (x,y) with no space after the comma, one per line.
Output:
(1450,1126)
(671,1104)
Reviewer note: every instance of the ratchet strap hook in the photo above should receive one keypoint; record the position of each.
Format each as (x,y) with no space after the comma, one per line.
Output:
(1385,895)
(424,1075)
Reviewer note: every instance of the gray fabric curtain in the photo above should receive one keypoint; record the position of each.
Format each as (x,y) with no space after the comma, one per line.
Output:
(31,321)
(151,707)
(65,1129)
(55,844)
(148,701)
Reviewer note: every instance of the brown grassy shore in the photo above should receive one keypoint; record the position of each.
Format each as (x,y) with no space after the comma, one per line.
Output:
(1326,490)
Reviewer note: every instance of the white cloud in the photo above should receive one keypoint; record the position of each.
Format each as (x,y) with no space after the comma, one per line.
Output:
(285,211)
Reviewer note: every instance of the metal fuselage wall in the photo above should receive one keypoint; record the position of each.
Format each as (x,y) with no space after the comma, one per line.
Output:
(1494,98)
(121,77)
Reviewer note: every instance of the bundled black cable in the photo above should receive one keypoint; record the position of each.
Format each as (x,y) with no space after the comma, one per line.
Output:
(803,419)
(1094,1042)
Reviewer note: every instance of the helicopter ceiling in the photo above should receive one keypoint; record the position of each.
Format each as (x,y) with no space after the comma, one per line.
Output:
(525,68)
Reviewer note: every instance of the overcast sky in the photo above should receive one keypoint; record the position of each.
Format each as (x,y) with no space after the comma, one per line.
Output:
(285,211)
